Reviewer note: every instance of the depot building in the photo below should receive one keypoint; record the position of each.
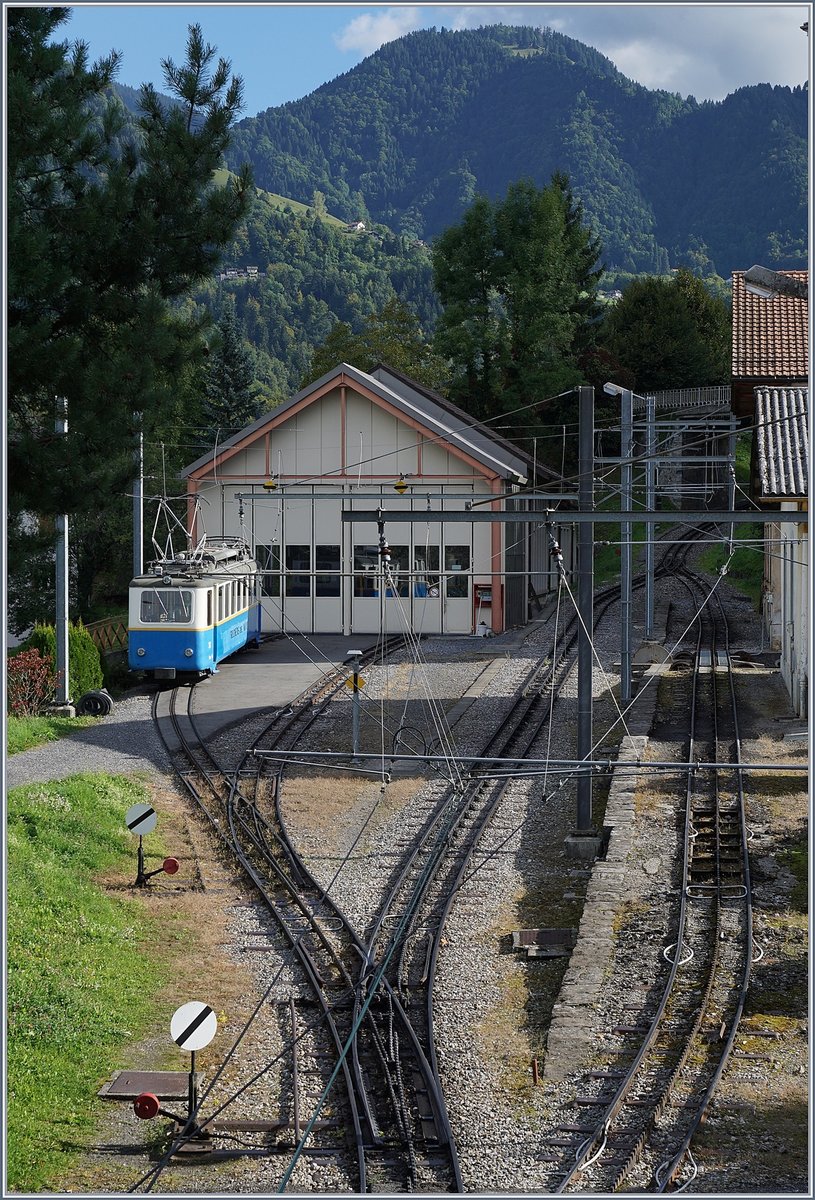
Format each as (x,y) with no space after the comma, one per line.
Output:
(372,443)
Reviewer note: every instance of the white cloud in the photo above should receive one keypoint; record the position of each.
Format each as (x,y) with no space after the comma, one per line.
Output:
(367,33)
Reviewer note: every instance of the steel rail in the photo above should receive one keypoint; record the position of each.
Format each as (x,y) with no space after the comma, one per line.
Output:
(368,1030)
(588,1152)
(672,1168)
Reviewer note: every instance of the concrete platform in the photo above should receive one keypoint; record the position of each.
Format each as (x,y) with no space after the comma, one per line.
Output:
(270,677)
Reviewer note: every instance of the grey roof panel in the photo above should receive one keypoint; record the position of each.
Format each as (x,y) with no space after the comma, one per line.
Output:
(782,441)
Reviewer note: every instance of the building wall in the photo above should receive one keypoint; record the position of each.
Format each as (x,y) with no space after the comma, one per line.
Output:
(322,575)
(786,609)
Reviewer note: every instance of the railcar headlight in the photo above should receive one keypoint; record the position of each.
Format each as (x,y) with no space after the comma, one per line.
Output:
(188,653)
(141,651)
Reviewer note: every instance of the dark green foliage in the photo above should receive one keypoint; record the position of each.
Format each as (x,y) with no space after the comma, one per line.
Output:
(107,223)
(392,336)
(84,661)
(518,282)
(669,333)
(418,129)
(231,395)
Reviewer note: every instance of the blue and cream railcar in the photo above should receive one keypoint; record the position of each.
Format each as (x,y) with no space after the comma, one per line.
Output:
(190,612)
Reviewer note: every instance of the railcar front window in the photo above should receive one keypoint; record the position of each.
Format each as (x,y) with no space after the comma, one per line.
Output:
(172,606)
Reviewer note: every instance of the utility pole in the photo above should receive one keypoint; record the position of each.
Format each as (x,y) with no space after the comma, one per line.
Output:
(355,656)
(626,498)
(584,842)
(61,622)
(626,476)
(138,504)
(650,500)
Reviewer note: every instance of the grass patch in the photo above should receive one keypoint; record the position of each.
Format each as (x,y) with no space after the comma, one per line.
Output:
(746,569)
(83,966)
(24,733)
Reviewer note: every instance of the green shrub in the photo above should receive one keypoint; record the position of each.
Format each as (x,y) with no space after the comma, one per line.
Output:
(84,661)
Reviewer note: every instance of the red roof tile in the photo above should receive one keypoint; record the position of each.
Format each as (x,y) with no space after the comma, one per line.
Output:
(770,337)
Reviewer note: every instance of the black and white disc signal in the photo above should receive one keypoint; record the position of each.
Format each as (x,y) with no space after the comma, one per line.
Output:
(193,1026)
(141,818)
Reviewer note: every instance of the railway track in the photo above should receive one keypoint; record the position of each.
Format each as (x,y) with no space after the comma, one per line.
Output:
(643,1112)
(391,1114)
(380,1102)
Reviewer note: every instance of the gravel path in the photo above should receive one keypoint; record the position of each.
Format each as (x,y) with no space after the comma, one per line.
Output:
(123,743)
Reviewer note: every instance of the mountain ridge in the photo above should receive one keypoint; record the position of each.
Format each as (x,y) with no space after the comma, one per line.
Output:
(411,134)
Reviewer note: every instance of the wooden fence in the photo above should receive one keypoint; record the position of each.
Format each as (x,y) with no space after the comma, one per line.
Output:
(110,635)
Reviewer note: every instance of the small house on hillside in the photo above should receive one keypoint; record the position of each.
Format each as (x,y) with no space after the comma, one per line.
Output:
(770,377)
(367,441)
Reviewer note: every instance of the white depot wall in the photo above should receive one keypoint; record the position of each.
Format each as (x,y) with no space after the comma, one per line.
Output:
(307,445)
(343,451)
(437,460)
(377,442)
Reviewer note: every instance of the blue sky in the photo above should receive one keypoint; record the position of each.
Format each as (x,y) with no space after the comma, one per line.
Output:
(285,51)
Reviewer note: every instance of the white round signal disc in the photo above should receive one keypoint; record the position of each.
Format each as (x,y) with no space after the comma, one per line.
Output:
(193,1026)
(141,818)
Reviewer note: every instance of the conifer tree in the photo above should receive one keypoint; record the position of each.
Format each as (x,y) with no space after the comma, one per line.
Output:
(108,223)
(231,401)
(517,280)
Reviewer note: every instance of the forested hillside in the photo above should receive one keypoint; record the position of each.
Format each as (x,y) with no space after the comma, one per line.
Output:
(415,131)
(311,273)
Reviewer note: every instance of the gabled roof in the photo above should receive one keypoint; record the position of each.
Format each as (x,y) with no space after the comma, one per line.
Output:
(782,442)
(462,420)
(770,336)
(440,420)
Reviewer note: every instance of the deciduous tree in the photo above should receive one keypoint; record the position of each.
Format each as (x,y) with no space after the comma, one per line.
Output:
(669,333)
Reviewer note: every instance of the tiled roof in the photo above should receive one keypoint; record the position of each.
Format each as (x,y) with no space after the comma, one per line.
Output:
(782,443)
(770,337)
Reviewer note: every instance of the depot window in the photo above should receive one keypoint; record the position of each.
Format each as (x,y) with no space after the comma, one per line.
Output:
(298,559)
(170,605)
(426,571)
(457,562)
(268,560)
(327,566)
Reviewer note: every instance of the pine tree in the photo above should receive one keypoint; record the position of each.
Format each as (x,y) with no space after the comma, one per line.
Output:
(108,222)
(231,401)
